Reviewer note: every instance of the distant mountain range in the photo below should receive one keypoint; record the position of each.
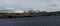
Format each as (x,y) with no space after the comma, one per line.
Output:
(27,11)
(4,10)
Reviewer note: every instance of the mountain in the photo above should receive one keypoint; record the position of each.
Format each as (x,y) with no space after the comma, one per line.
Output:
(9,10)
(18,11)
(32,11)
(6,11)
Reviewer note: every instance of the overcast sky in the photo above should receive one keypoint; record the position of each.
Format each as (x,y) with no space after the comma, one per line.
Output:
(46,5)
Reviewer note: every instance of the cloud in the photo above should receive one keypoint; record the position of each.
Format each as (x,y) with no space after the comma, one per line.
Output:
(36,4)
(21,2)
(53,5)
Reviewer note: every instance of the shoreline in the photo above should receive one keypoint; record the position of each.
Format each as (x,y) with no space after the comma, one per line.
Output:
(24,15)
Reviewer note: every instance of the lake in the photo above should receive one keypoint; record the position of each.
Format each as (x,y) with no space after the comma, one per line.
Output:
(32,21)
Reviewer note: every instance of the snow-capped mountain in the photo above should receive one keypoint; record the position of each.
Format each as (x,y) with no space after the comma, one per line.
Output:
(32,11)
(18,11)
(12,10)
(9,10)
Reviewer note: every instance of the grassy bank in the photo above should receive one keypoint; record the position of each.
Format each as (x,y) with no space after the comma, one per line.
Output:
(21,15)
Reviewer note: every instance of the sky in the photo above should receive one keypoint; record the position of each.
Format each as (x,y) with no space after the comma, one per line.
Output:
(43,5)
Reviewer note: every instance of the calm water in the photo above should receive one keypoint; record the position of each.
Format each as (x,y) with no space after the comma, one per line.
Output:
(33,21)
